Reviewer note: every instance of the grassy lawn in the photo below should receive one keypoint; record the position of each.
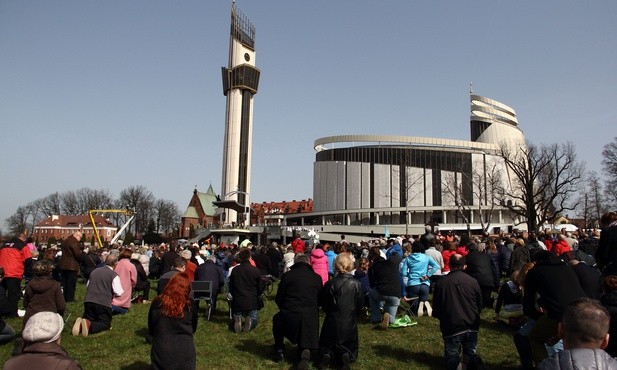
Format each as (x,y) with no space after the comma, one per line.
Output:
(125,347)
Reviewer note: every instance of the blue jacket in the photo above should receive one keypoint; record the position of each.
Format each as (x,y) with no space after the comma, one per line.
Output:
(415,266)
(331,256)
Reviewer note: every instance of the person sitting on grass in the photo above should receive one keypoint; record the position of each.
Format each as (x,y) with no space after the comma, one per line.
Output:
(342,300)
(42,349)
(172,322)
(510,298)
(103,285)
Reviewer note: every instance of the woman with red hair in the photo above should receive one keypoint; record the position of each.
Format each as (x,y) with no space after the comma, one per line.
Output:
(172,321)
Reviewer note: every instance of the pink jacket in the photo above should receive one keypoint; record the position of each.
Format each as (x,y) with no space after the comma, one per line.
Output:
(319,262)
(128,278)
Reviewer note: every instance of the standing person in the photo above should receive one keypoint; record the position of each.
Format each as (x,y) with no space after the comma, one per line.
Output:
(457,303)
(7,333)
(342,300)
(128,278)
(331,256)
(43,351)
(172,322)
(417,269)
(43,293)
(319,262)
(297,298)
(69,264)
(103,285)
(13,256)
(245,287)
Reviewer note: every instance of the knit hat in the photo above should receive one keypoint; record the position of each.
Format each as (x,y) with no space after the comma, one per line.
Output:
(43,327)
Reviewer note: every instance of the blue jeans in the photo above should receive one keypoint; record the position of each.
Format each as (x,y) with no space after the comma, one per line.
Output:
(420,290)
(252,314)
(117,310)
(390,305)
(452,346)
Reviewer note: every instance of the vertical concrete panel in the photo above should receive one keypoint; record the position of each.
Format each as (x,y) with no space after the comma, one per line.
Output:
(352,190)
(365,186)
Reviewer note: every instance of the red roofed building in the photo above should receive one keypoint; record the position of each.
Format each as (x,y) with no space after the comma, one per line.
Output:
(271,213)
(60,227)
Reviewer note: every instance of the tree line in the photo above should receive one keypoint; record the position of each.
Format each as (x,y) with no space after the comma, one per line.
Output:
(151,214)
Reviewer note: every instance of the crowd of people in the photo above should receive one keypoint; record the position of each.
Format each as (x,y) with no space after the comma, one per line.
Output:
(557,291)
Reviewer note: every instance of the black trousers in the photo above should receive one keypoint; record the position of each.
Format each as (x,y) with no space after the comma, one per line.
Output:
(13,294)
(69,282)
(98,315)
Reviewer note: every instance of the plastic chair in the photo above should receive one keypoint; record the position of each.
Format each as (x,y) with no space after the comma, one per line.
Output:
(202,291)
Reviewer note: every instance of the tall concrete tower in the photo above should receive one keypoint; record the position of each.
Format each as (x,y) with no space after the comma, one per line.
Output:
(240,82)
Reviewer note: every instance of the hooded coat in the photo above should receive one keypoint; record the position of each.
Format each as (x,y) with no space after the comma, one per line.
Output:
(319,262)
(43,294)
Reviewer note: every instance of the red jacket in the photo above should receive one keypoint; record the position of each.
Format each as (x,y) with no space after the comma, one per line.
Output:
(560,247)
(13,254)
(298,246)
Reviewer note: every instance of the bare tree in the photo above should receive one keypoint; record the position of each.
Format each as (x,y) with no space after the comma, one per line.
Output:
(486,191)
(51,204)
(544,180)
(70,203)
(18,222)
(609,162)
(167,216)
(141,200)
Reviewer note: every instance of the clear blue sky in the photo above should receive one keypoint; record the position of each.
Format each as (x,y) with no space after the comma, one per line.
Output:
(110,94)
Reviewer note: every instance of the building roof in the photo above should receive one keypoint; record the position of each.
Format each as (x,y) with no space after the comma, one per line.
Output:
(284,207)
(206,200)
(73,221)
(190,212)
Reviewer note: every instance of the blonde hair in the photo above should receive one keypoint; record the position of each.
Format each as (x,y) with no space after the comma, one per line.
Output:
(343,263)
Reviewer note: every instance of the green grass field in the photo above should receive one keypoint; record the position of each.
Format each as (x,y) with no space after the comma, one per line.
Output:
(125,347)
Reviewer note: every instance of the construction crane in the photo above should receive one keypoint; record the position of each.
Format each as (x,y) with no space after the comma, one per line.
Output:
(127,211)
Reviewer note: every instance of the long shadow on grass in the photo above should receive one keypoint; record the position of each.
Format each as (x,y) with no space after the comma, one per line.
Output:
(256,348)
(403,355)
(138,365)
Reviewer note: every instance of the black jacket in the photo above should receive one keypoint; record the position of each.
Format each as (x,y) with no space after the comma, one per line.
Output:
(609,301)
(173,346)
(607,247)
(245,286)
(383,276)
(480,267)
(557,285)
(342,300)
(210,271)
(457,302)
(298,301)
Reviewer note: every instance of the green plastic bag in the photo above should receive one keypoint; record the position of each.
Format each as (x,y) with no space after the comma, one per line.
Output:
(403,322)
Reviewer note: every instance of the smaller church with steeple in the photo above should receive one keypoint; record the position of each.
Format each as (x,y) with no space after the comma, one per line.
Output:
(200,213)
